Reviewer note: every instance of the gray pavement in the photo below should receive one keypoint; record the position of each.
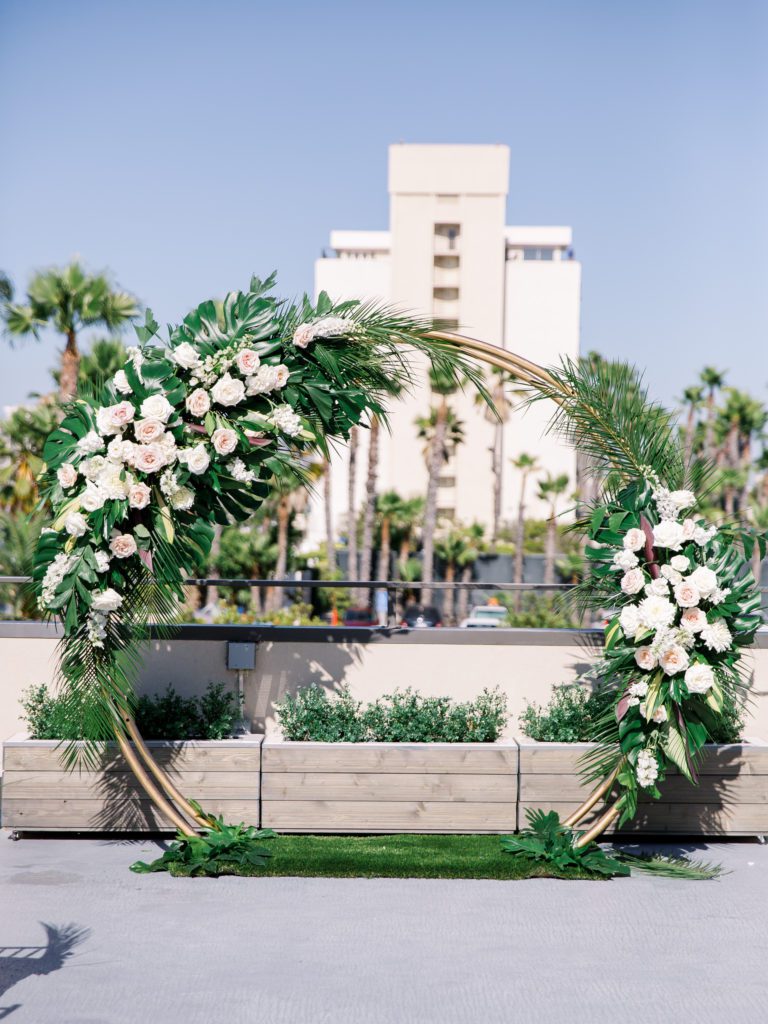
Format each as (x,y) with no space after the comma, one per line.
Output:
(128,949)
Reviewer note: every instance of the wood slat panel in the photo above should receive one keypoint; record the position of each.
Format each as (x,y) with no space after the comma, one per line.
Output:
(102,816)
(375,816)
(368,786)
(188,757)
(200,786)
(681,819)
(441,758)
(751,789)
(563,758)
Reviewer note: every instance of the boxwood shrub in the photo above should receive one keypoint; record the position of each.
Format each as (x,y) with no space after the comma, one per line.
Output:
(404,716)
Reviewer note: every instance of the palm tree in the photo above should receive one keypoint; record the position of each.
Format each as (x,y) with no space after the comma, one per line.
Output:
(405,521)
(389,507)
(713,380)
(22,437)
(527,464)
(450,546)
(98,365)
(498,416)
(758,515)
(69,299)
(330,536)
(442,443)
(354,441)
(18,537)
(473,548)
(288,497)
(369,508)
(692,397)
(550,490)
(247,551)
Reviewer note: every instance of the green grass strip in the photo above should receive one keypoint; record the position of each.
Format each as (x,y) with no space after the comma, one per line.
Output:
(398,856)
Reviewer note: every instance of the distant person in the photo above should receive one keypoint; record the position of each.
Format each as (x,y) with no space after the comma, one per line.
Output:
(381,604)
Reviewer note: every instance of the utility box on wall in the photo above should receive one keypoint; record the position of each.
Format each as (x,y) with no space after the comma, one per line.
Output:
(241,657)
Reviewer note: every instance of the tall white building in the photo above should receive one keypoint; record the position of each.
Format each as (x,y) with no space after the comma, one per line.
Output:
(449,254)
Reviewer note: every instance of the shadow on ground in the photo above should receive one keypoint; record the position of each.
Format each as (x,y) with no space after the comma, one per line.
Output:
(20,962)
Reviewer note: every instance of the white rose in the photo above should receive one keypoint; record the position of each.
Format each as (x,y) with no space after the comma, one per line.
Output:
(247,361)
(680,563)
(670,574)
(658,716)
(633,581)
(645,659)
(658,586)
(689,529)
(148,430)
(185,355)
(625,560)
(121,383)
(93,497)
(139,495)
(75,524)
(224,441)
(655,612)
(183,498)
(67,475)
(197,459)
(687,594)
(668,534)
(198,403)
(106,601)
(123,545)
(683,499)
(280,374)
(102,561)
(303,334)
(699,678)
(149,458)
(629,620)
(693,620)
(111,419)
(228,390)
(674,659)
(634,539)
(704,579)
(156,407)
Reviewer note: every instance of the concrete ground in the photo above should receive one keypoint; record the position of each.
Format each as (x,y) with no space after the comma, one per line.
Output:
(128,949)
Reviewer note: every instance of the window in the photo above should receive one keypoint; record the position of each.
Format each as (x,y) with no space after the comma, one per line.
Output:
(447,324)
(450,232)
(543,253)
(446,294)
(446,481)
(447,262)
(446,513)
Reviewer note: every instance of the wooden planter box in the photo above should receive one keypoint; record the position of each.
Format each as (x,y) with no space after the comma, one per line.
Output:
(39,795)
(389,787)
(731,798)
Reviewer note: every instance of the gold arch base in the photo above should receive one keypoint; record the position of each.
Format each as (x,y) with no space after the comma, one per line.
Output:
(179,811)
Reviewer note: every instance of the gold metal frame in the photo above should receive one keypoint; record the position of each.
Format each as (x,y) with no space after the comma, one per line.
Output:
(156,782)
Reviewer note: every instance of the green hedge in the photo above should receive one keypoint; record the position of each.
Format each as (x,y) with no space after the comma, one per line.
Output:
(400,717)
(166,716)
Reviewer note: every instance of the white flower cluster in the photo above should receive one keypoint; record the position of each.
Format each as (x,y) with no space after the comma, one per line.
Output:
(325,327)
(667,619)
(54,574)
(647,769)
(286,420)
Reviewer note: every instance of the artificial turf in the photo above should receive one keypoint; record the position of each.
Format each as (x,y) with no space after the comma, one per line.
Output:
(398,856)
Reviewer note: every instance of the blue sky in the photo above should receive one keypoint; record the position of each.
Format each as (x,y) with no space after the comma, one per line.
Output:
(186,145)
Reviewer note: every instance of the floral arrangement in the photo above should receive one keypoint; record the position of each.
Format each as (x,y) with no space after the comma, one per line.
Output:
(688,606)
(190,433)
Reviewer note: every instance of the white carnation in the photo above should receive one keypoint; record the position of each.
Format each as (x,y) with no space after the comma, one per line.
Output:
(240,472)
(102,561)
(286,420)
(183,498)
(659,586)
(656,612)
(625,560)
(716,636)
(90,443)
(629,620)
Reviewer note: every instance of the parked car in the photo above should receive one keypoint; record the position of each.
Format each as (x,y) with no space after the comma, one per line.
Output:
(417,616)
(360,617)
(486,616)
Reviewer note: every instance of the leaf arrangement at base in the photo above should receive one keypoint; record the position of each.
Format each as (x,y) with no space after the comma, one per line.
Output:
(218,850)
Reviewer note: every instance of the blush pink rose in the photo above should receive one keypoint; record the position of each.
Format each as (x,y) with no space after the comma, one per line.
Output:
(138,495)
(148,430)
(199,402)
(247,361)
(224,441)
(149,458)
(67,475)
(674,659)
(123,545)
